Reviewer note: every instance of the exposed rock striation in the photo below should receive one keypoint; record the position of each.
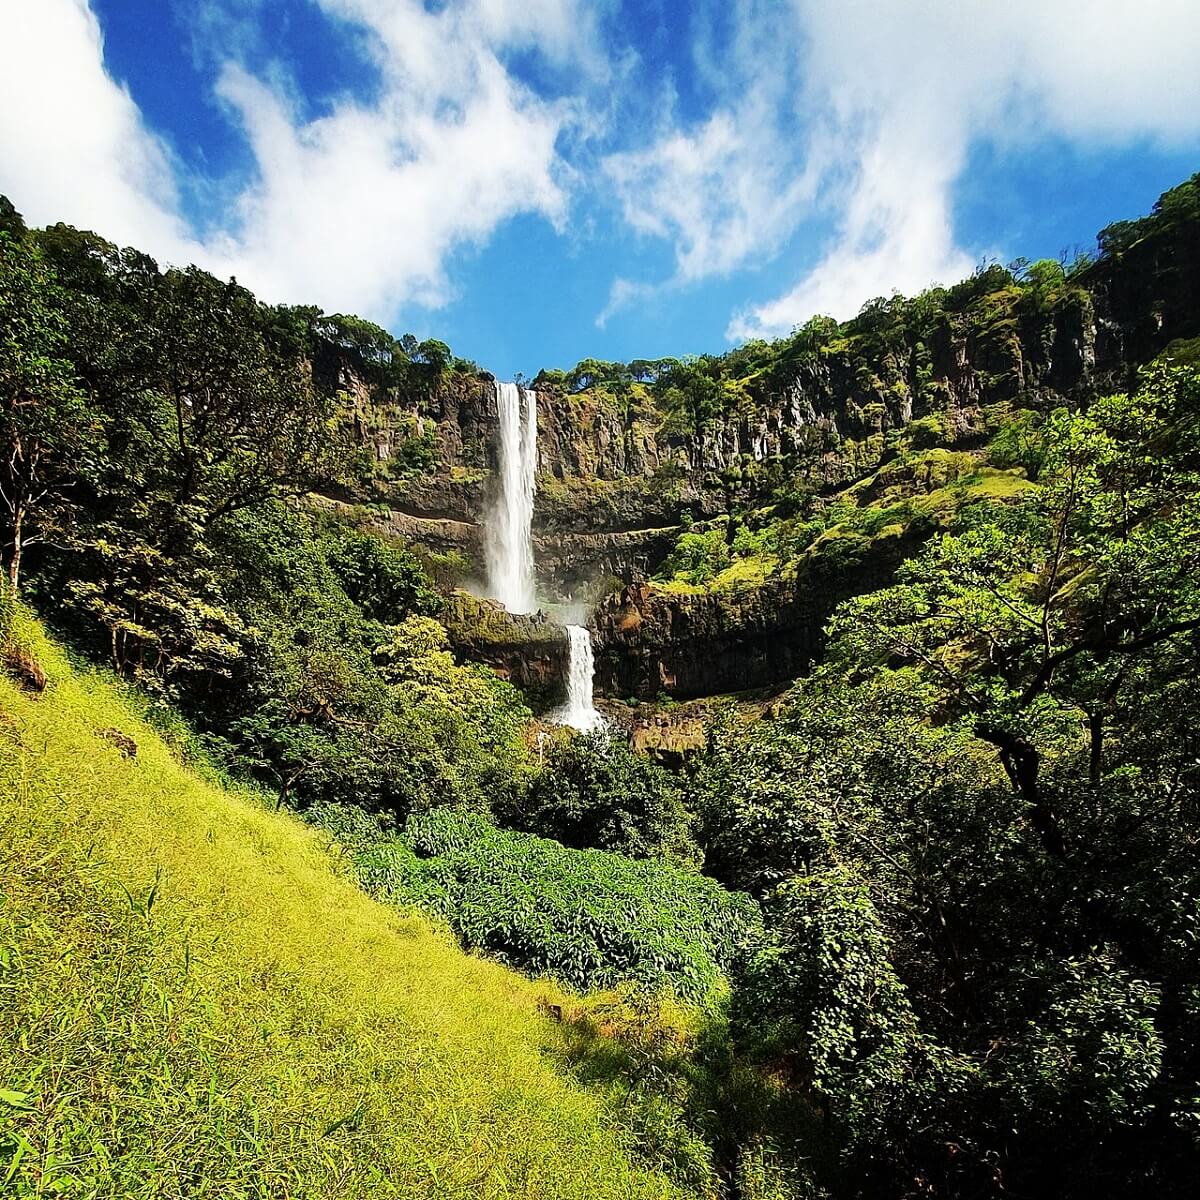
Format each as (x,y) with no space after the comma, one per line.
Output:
(529,651)
(651,641)
(618,478)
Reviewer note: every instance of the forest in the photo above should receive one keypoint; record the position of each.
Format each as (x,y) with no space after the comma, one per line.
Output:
(922,919)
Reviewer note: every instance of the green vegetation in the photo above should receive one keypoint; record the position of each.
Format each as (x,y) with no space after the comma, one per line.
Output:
(593,791)
(925,925)
(590,919)
(193,1002)
(914,493)
(974,836)
(162,426)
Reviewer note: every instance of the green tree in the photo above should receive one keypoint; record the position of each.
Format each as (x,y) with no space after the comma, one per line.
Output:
(593,791)
(1035,619)
(46,428)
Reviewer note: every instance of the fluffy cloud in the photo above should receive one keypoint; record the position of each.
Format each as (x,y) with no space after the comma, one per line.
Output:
(728,189)
(73,145)
(911,86)
(889,98)
(857,114)
(357,209)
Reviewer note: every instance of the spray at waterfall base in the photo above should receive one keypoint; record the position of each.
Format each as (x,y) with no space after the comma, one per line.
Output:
(510,562)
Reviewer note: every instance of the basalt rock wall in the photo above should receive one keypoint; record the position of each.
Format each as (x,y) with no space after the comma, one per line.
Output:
(618,478)
(613,474)
(651,641)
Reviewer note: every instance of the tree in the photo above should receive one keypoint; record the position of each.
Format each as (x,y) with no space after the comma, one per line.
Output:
(46,428)
(691,392)
(247,424)
(595,792)
(1035,620)
(436,355)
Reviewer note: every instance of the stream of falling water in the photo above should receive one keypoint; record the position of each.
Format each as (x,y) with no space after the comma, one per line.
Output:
(579,712)
(510,541)
(510,546)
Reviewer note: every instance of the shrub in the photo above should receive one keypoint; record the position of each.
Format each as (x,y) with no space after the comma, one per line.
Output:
(595,792)
(589,918)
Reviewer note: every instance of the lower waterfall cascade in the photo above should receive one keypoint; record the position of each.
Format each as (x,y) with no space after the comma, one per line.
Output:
(579,712)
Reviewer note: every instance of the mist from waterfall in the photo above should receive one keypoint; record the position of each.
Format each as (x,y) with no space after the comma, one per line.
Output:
(510,541)
(579,712)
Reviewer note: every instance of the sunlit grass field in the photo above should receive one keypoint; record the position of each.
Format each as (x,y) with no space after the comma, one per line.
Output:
(195,1001)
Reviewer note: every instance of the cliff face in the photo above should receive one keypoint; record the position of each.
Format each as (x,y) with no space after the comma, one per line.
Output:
(651,641)
(528,651)
(618,478)
(613,480)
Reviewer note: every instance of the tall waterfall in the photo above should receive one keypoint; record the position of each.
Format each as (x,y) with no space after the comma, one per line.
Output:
(510,544)
(579,712)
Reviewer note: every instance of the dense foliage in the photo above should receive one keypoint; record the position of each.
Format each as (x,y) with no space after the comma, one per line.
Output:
(590,918)
(160,427)
(974,834)
(593,791)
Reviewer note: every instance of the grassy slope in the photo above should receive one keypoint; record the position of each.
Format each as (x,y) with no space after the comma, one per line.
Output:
(194,1002)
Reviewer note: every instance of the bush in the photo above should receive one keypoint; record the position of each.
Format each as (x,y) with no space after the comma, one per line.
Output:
(589,918)
(595,792)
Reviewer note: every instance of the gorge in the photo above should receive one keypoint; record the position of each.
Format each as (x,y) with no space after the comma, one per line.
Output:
(894,407)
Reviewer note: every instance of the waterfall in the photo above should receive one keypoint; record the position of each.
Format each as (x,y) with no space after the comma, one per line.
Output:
(579,712)
(510,544)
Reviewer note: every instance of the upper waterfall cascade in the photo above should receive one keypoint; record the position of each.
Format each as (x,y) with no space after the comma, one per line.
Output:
(510,540)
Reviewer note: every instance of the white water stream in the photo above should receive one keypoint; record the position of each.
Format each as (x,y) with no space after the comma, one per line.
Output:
(510,546)
(579,712)
(510,541)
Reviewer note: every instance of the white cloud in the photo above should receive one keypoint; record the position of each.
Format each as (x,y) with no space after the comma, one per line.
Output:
(73,146)
(860,112)
(359,209)
(621,294)
(725,190)
(891,95)
(718,191)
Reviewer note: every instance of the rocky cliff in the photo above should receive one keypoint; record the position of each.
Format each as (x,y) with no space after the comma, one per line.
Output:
(652,641)
(615,476)
(528,651)
(619,474)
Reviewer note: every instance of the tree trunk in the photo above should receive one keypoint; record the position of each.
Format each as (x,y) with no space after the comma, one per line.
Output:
(1096,754)
(14,563)
(1022,762)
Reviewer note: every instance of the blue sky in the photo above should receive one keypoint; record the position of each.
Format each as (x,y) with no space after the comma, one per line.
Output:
(536,181)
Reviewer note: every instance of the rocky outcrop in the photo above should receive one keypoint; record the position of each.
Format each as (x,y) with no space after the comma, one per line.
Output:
(617,480)
(578,565)
(528,651)
(651,641)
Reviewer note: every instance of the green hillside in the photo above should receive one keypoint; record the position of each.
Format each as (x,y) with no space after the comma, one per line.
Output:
(195,1000)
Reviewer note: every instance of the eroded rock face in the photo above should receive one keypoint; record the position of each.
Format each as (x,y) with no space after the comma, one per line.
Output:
(612,480)
(651,641)
(529,651)
(616,484)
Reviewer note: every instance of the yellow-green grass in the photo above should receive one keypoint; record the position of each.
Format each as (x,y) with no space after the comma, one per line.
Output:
(987,483)
(194,1001)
